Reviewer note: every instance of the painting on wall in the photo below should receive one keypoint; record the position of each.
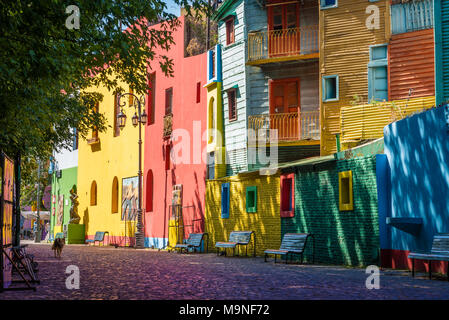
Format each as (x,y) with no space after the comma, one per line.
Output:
(130,198)
(60,216)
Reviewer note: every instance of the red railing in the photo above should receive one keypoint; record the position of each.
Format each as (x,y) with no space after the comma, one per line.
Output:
(282,43)
(285,126)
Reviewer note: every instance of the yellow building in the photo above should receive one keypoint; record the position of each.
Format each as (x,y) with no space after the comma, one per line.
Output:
(215,123)
(106,162)
(347,32)
(262,217)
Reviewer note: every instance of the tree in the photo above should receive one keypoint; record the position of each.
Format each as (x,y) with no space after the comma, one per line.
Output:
(46,66)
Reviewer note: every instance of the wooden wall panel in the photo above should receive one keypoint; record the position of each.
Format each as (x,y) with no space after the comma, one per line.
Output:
(412,65)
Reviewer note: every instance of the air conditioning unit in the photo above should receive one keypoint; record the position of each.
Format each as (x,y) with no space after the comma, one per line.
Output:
(58,173)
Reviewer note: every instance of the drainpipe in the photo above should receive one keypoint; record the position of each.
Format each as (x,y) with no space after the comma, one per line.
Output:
(337,138)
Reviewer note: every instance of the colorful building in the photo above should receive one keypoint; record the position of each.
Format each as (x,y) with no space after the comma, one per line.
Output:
(108,165)
(64,174)
(175,157)
(441,17)
(246,202)
(376,64)
(335,199)
(270,82)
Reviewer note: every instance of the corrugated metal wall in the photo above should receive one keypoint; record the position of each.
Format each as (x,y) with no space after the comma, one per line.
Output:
(412,65)
(442,49)
(363,122)
(344,50)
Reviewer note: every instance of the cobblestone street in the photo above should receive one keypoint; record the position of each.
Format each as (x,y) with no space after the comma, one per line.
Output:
(110,273)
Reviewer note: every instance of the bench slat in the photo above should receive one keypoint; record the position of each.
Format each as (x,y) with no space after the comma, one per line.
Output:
(439,251)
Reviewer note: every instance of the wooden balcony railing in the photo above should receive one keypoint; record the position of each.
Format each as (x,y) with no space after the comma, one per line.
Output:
(289,126)
(282,43)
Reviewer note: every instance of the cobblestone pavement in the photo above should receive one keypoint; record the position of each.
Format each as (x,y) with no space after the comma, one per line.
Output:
(123,273)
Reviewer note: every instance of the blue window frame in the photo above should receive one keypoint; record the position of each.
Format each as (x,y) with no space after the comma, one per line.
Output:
(225,199)
(330,88)
(326,4)
(378,73)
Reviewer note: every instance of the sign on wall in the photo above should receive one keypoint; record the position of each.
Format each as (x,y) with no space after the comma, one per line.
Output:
(7,204)
(130,198)
(60,216)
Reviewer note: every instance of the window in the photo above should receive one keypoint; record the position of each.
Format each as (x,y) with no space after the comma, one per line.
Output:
(283,16)
(93,193)
(114,204)
(251,199)
(212,66)
(116,112)
(325,4)
(198,92)
(330,88)
(167,157)
(75,140)
(230,38)
(378,73)
(168,101)
(225,200)
(411,16)
(131,96)
(287,196)
(95,129)
(151,98)
(211,120)
(210,174)
(232,104)
(149,193)
(284,95)
(345,191)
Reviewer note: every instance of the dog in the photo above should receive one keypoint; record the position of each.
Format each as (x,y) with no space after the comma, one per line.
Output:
(57,246)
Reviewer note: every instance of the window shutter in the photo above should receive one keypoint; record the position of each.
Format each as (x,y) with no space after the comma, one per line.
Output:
(225,200)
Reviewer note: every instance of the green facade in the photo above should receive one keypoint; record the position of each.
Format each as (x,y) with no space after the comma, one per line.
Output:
(62,186)
(341,237)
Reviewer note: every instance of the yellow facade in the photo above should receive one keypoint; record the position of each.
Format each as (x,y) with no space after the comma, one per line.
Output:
(113,156)
(215,142)
(366,122)
(345,41)
(266,222)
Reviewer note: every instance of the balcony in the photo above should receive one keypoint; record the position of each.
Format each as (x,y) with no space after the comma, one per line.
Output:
(283,45)
(367,122)
(284,127)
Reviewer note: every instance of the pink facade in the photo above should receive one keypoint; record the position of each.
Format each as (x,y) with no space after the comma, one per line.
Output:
(185,96)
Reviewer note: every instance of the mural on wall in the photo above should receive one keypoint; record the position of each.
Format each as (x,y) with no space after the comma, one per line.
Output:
(130,198)
(6,235)
(60,216)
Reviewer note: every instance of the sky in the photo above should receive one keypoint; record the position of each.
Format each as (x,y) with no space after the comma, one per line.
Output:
(172,7)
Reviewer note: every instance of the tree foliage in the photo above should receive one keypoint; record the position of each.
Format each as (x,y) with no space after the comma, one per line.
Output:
(45,67)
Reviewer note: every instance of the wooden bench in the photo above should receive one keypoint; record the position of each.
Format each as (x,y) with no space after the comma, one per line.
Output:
(194,241)
(439,252)
(237,238)
(292,243)
(99,236)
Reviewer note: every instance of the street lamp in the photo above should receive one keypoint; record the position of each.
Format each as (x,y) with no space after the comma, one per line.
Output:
(139,118)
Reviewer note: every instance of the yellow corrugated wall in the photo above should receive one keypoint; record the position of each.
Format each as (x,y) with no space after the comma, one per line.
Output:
(367,121)
(344,50)
(266,222)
